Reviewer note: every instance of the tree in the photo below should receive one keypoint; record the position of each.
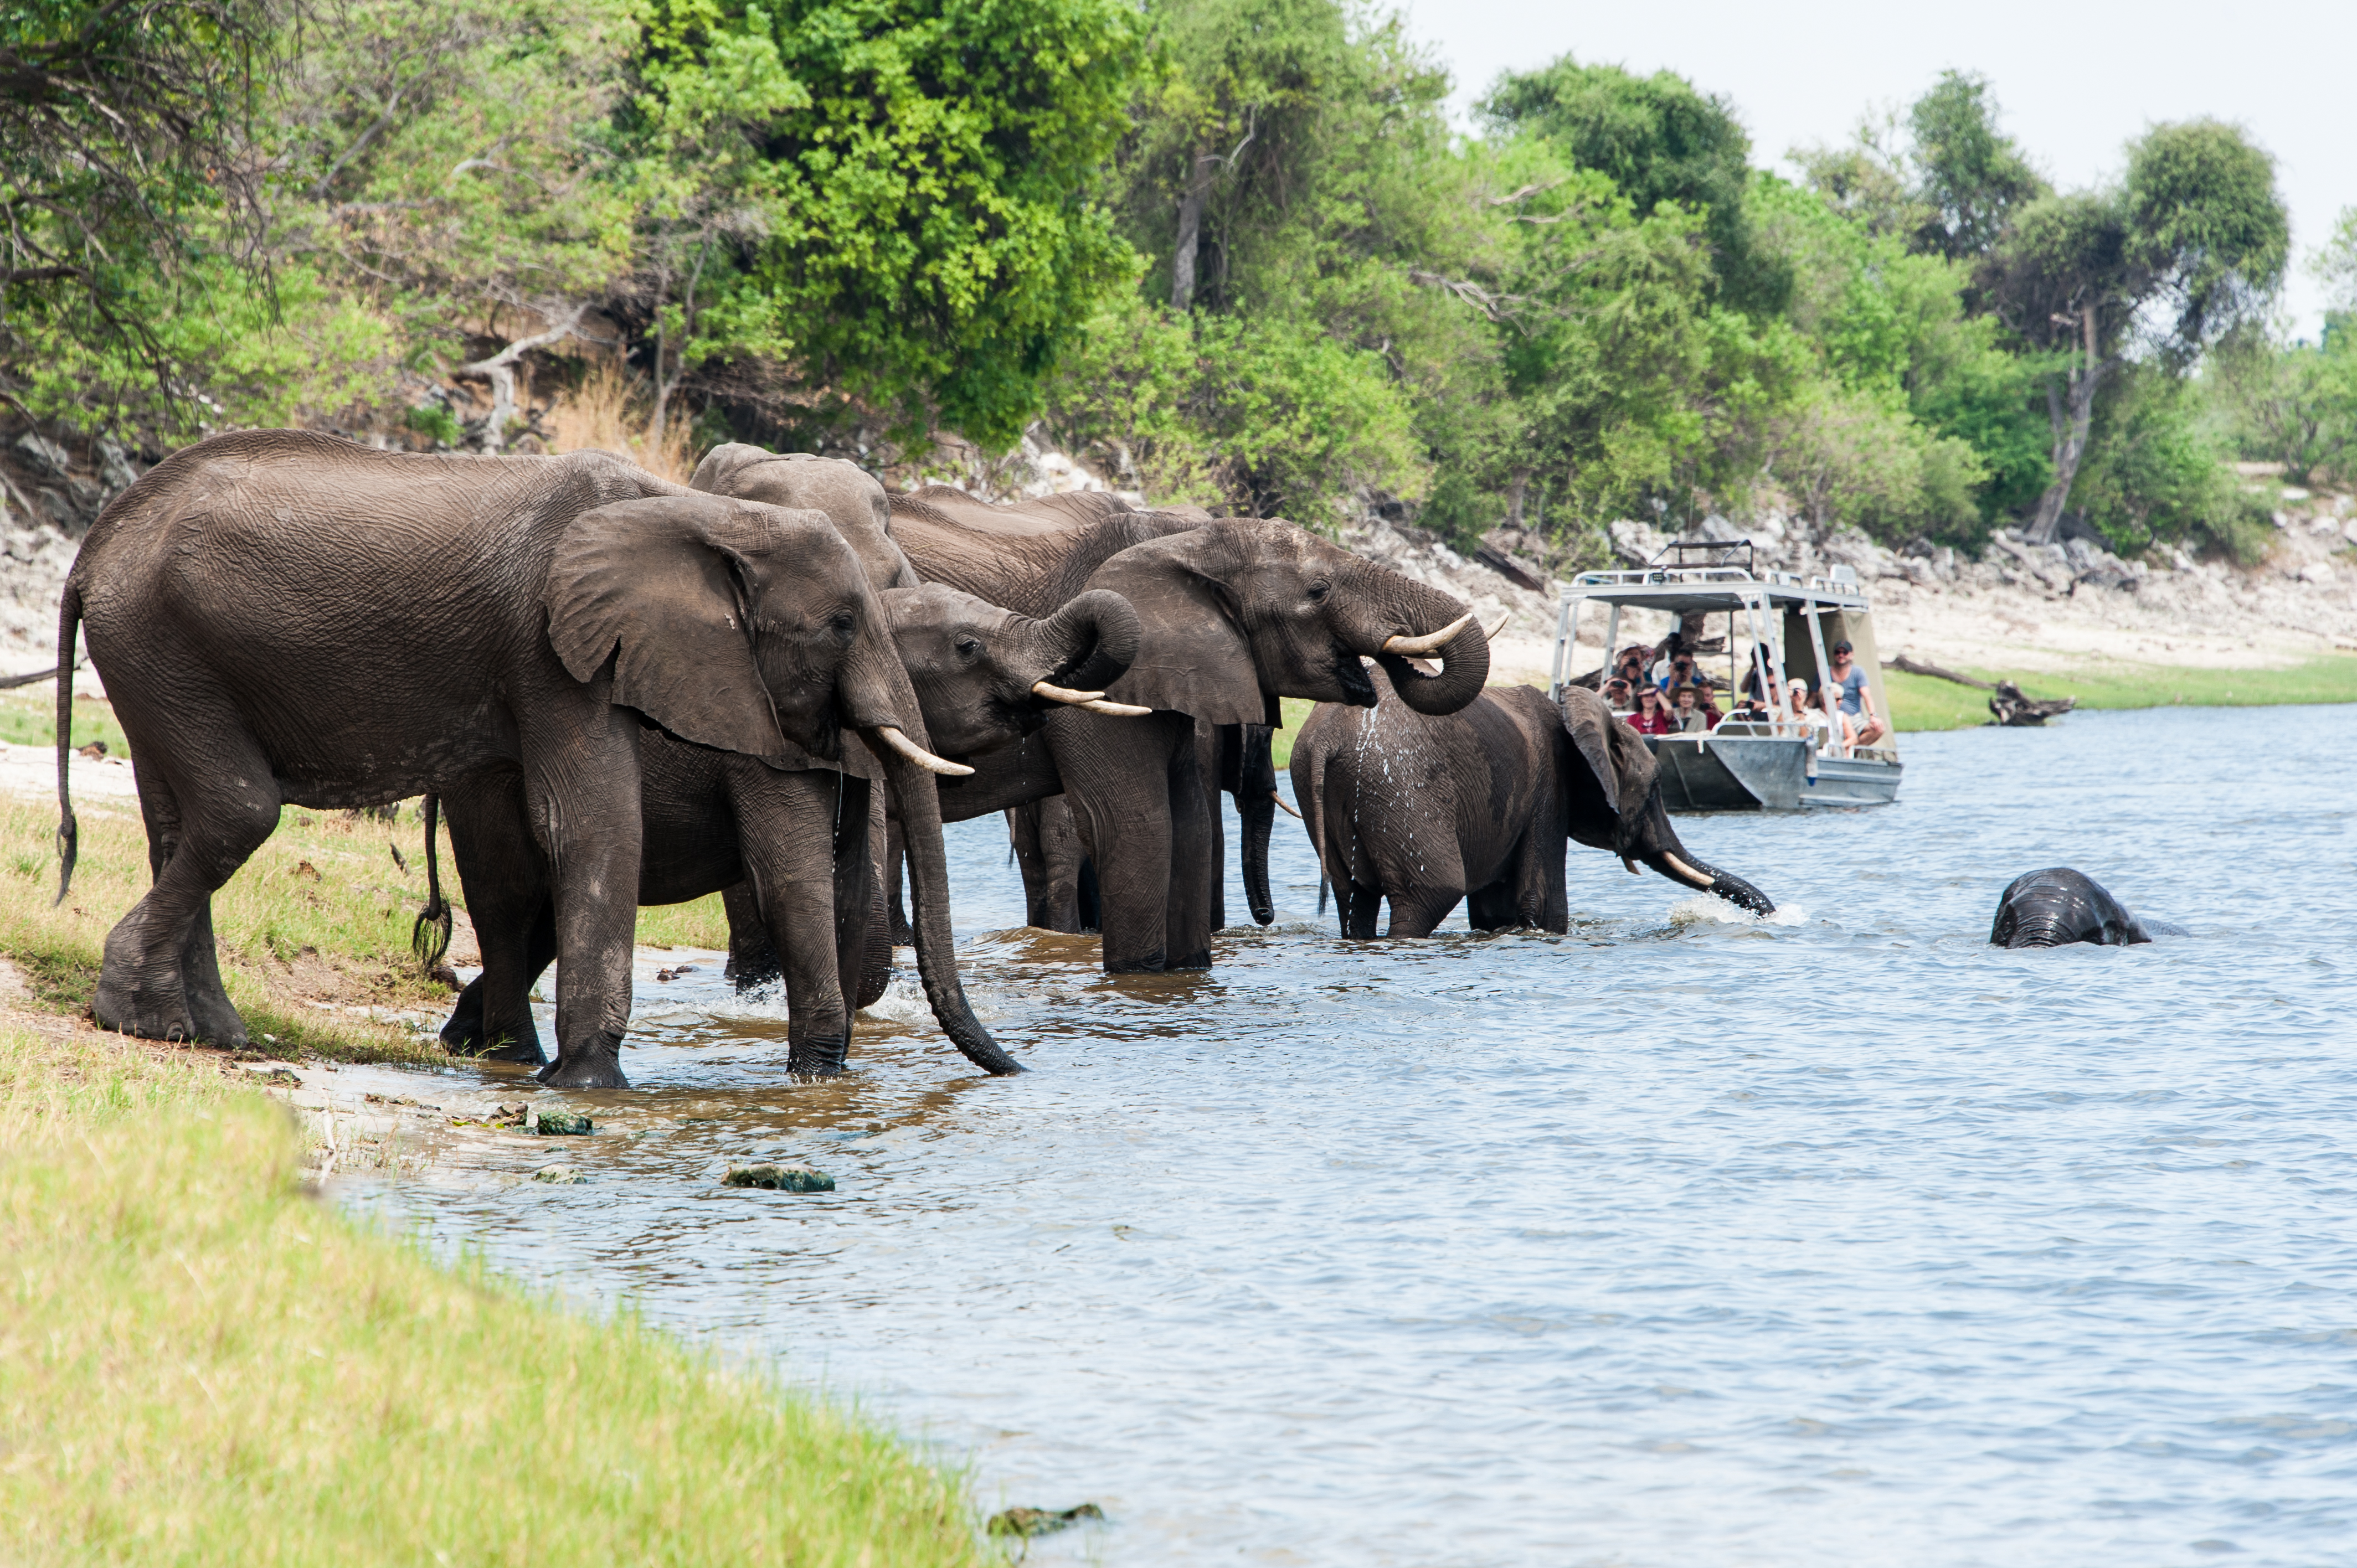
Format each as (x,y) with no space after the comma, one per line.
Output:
(2295,405)
(1659,141)
(2193,241)
(1972,177)
(122,158)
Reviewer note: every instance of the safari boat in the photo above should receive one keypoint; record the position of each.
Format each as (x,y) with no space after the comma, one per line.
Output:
(1781,625)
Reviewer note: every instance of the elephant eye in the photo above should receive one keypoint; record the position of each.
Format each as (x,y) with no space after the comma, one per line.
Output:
(842,625)
(1318,590)
(967,647)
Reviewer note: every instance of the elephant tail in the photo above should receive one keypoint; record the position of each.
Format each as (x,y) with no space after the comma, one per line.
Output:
(68,831)
(430,938)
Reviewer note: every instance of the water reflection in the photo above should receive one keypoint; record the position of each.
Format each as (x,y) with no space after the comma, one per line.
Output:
(1840,1238)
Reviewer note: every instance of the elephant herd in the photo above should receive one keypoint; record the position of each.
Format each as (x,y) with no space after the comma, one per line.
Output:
(777,684)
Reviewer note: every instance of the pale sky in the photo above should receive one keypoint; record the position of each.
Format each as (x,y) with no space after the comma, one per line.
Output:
(2073,81)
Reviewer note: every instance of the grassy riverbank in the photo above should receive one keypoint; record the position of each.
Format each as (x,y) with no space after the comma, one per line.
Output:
(200,1363)
(1927,702)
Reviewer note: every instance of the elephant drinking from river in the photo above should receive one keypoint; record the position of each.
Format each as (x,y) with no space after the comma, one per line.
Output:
(1478,805)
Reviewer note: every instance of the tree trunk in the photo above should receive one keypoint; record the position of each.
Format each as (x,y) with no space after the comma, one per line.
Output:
(1190,228)
(2069,417)
(1518,487)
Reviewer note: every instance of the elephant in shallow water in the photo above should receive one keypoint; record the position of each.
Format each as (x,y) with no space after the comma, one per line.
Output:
(793,842)
(1478,806)
(2056,907)
(281,616)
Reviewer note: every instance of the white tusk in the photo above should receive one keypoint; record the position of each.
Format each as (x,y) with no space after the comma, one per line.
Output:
(1631,865)
(917,754)
(1118,710)
(1431,641)
(1065,694)
(1493,632)
(1286,804)
(1696,877)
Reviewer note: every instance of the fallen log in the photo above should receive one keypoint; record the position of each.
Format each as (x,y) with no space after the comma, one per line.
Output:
(2012,708)
(1918,667)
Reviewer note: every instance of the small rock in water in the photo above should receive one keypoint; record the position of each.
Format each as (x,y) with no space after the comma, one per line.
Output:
(674,974)
(560,1175)
(554,1123)
(779,1178)
(1040,1521)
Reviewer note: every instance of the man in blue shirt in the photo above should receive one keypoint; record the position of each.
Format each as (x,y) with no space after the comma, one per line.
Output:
(1857,696)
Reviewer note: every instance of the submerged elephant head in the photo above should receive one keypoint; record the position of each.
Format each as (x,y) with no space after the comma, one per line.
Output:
(2055,907)
(852,498)
(1613,801)
(986,676)
(1240,612)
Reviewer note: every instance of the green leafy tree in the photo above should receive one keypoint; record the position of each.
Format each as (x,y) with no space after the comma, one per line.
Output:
(1971,176)
(921,235)
(2156,471)
(1659,141)
(122,165)
(2192,241)
(2295,405)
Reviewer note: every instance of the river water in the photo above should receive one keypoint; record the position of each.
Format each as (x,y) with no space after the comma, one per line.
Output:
(1838,1239)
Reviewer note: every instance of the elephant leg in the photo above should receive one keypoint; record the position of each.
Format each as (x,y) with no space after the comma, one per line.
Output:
(752,957)
(1048,848)
(863,936)
(202,824)
(1493,908)
(1210,740)
(1088,898)
(1119,786)
(581,798)
(506,883)
(791,861)
(1359,904)
(1198,867)
(904,935)
(1418,911)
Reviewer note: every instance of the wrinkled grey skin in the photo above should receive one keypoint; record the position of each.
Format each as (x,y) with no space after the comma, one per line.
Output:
(1477,806)
(281,616)
(715,822)
(2056,907)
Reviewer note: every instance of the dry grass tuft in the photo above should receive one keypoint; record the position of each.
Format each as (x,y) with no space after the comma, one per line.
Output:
(200,1363)
(608,412)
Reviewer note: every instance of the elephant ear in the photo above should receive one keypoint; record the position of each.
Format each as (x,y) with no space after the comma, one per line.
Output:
(1614,753)
(1192,654)
(663,580)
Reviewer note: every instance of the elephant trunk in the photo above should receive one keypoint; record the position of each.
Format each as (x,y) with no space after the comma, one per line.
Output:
(1649,837)
(1090,642)
(1398,612)
(1256,809)
(921,831)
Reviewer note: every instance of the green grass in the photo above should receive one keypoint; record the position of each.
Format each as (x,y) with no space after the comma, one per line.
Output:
(200,1363)
(28,717)
(1926,702)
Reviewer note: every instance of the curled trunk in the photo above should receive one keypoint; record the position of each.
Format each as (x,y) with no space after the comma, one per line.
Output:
(1395,607)
(1090,642)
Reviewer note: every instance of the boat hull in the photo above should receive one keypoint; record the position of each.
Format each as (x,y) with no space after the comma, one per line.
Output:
(1766,773)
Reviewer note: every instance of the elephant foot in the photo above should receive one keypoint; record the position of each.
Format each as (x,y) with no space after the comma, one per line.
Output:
(159,1013)
(596,1063)
(1199,959)
(819,1059)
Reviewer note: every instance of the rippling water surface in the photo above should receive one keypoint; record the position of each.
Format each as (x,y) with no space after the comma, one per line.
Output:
(1837,1240)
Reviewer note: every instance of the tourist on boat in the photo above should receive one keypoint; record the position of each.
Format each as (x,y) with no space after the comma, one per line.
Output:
(1857,696)
(1689,714)
(1616,695)
(1652,717)
(1762,658)
(1632,666)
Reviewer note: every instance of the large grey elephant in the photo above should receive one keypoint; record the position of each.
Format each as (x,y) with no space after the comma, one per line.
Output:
(795,840)
(1477,806)
(281,616)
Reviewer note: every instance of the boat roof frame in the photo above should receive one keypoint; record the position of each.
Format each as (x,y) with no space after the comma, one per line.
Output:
(1684,589)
